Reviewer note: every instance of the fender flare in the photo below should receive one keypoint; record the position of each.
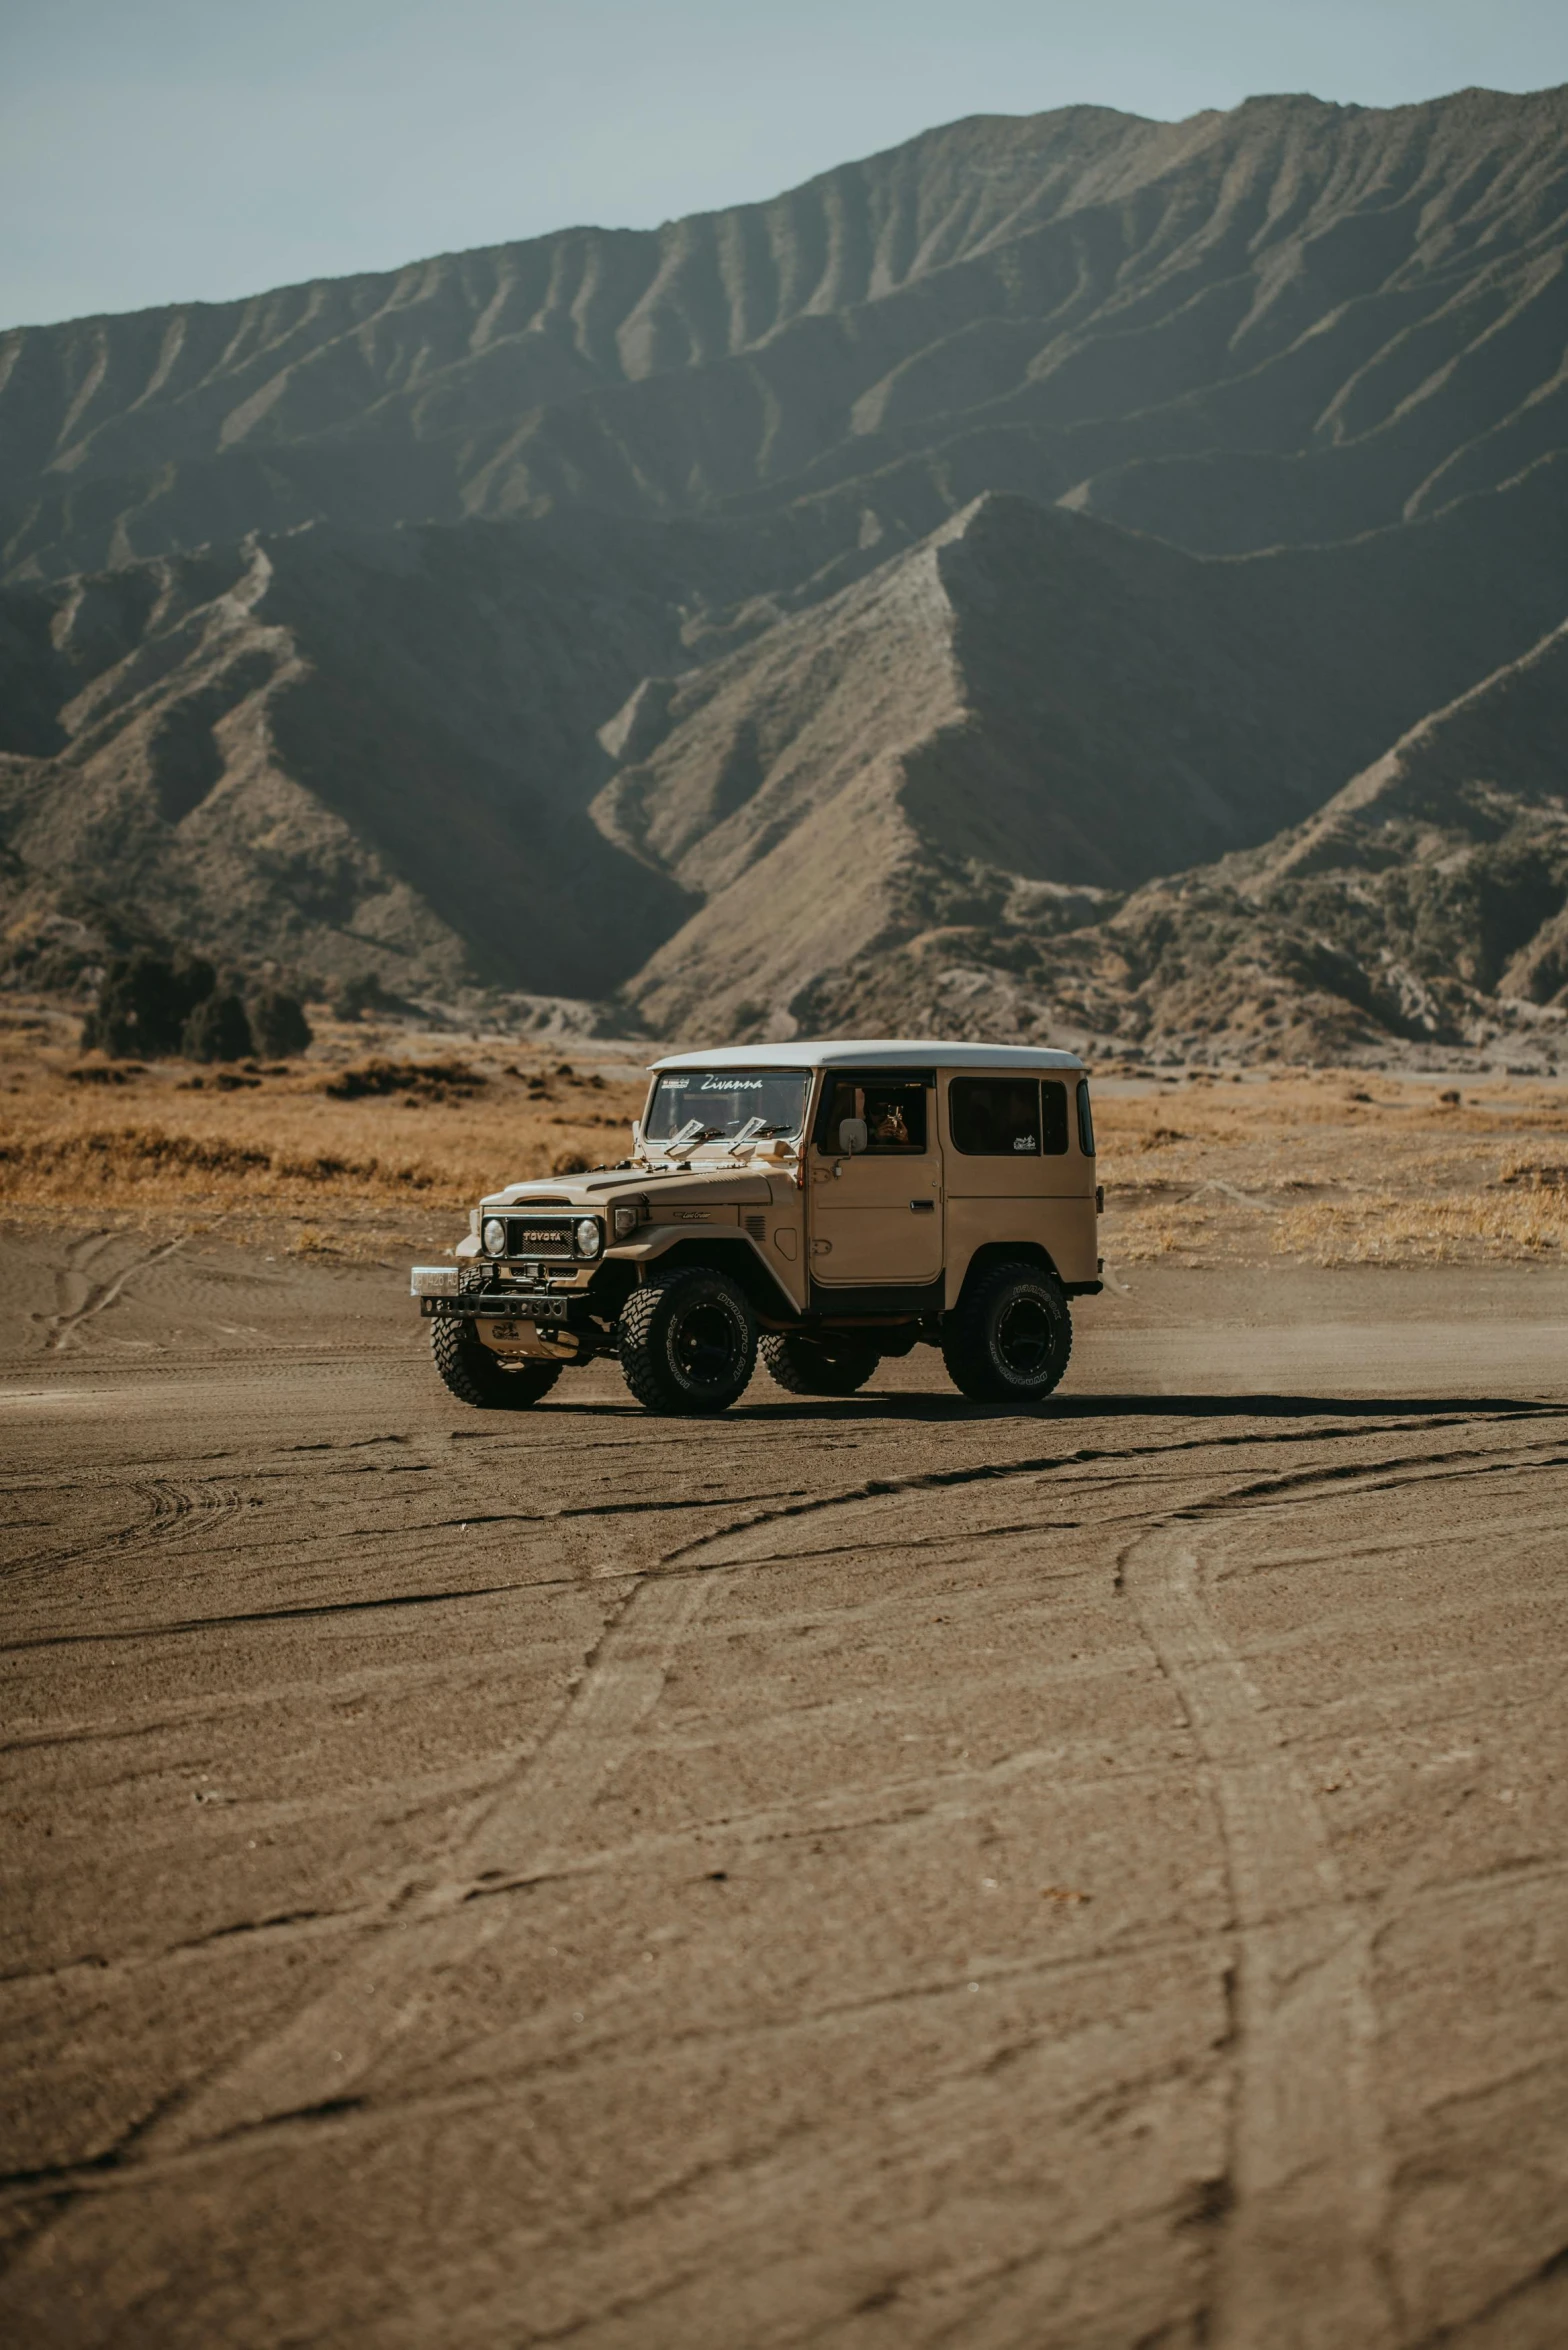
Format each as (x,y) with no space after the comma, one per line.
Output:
(721,1245)
(999,1252)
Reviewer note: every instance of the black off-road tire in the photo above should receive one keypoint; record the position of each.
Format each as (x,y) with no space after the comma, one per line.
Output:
(1009,1338)
(476,1375)
(688,1341)
(805,1366)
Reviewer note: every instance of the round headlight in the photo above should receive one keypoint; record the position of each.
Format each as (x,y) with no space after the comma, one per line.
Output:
(494,1236)
(588,1237)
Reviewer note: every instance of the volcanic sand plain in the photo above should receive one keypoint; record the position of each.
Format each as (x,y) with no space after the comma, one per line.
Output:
(871,1872)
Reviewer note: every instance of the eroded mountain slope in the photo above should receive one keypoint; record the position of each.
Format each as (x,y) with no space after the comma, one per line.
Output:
(342,753)
(1031,696)
(1293,321)
(341,756)
(1426,904)
(820,539)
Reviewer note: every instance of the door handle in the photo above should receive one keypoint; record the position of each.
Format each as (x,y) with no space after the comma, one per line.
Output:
(922,1207)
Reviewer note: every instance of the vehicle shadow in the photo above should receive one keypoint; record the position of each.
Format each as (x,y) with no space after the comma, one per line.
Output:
(1257,1406)
(918,1408)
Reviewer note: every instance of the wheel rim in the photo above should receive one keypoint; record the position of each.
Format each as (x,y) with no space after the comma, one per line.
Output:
(705,1346)
(1024,1339)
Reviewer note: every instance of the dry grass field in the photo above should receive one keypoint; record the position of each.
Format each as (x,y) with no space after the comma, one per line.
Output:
(1335,1168)
(375,1139)
(381,1139)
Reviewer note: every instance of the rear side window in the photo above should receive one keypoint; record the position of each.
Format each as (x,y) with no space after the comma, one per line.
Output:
(1053,1120)
(995,1117)
(1085,1120)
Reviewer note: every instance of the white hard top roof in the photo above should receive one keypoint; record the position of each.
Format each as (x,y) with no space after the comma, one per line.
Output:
(878,1052)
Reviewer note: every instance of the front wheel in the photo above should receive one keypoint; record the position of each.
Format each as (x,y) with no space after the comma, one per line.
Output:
(806,1366)
(688,1341)
(476,1375)
(1009,1338)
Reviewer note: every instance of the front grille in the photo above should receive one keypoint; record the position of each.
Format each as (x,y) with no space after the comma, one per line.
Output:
(539,1236)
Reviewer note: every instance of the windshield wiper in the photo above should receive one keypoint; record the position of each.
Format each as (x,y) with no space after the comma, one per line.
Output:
(691,1137)
(694,1134)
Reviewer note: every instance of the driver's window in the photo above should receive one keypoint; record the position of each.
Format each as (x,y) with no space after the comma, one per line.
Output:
(895,1115)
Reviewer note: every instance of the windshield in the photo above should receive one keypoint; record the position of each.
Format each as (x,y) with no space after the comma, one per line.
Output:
(722,1101)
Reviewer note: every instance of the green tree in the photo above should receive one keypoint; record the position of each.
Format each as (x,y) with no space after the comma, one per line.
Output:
(144,1003)
(218,1031)
(279,1024)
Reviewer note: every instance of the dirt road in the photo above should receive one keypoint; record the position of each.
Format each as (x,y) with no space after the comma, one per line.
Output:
(864,1873)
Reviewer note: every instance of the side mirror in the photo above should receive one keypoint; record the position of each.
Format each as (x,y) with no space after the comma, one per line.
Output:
(852,1137)
(636,1134)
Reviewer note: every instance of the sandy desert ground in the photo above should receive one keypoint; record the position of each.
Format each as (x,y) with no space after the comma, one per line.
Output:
(870,1873)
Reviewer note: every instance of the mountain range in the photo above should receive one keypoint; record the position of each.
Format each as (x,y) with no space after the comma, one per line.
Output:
(1068,575)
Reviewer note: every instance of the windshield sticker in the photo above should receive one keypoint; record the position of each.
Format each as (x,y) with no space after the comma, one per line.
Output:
(720,1104)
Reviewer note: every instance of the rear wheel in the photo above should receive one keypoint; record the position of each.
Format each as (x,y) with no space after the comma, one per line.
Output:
(810,1366)
(477,1376)
(1009,1338)
(688,1341)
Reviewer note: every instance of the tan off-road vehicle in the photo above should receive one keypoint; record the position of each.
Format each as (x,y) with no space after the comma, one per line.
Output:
(827,1203)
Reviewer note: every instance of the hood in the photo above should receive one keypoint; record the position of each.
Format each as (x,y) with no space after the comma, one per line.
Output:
(724,1186)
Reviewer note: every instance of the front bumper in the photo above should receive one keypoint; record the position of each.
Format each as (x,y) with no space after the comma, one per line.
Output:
(562,1313)
(440,1299)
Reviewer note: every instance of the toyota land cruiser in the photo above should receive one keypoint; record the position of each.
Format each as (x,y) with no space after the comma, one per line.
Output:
(822,1204)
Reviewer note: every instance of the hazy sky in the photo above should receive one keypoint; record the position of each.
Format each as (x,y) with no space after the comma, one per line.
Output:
(160,150)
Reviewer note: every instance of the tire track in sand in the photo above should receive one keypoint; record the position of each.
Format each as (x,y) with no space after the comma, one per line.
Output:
(100,1295)
(1297,2261)
(316,2061)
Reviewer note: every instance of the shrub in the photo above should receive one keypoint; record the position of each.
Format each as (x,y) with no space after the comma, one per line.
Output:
(433,1081)
(218,1030)
(279,1025)
(144,1002)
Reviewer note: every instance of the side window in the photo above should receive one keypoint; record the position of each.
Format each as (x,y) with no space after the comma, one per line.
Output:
(995,1117)
(1085,1121)
(895,1114)
(1053,1104)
